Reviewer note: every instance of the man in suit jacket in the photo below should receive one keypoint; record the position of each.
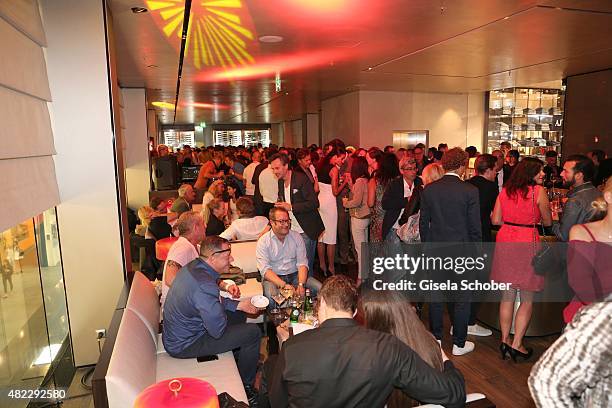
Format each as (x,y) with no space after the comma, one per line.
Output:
(450,212)
(396,196)
(485,182)
(500,177)
(296,195)
(343,364)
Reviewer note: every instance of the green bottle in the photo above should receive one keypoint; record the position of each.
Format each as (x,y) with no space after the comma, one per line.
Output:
(294,317)
(307,302)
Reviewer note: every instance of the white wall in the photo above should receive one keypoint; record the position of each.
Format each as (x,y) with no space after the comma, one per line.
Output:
(312,128)
(136,147)
(444,115)
(276,134)
(368,118)
(340,118)
(88,214)
(476,121)
(292,133)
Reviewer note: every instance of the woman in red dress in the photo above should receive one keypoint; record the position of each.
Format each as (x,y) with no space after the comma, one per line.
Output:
(521,205)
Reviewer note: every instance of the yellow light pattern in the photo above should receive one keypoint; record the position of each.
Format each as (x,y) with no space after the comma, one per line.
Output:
(217,33)
(163,105)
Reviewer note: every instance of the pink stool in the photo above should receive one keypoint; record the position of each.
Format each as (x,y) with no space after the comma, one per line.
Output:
(162,247)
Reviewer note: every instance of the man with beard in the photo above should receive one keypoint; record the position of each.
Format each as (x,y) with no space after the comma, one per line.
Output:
(577,174)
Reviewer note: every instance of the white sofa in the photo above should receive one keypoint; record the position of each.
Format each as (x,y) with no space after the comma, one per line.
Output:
(243,253)
(139,359)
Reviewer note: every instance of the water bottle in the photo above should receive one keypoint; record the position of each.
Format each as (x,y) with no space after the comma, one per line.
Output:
(307,302)
(294,317)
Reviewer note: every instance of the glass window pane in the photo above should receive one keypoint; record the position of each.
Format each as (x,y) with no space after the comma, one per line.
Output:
(23,330)
(34,331)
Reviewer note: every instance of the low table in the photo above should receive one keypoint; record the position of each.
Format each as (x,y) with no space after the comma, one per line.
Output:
(285,330)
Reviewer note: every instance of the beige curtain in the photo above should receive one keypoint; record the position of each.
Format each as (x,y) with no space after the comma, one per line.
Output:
(27,183)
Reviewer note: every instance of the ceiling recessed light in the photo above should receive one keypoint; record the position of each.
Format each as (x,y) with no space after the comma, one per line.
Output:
(152,66)
(138,10)
(270,39)
(370,68)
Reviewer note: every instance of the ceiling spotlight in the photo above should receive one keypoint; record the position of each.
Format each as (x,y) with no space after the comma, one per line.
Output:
(152,66)
(138,10)
(370,68)
(270,39)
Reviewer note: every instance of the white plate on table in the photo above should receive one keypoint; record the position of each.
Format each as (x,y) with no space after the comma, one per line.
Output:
(260,302)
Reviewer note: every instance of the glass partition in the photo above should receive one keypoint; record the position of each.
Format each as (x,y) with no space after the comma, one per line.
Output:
(35,349)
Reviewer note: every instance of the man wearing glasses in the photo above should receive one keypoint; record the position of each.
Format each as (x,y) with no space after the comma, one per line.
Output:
(396,197)
(296,195)
(281,257)
(199,322)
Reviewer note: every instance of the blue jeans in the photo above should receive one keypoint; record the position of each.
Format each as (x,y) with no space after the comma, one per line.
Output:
(270,289)
(237,335)
(311,248)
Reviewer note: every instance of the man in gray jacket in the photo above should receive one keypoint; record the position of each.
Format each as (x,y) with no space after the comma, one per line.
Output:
(578,172)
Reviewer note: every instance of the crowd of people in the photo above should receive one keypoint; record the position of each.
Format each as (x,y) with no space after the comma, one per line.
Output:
(323,203)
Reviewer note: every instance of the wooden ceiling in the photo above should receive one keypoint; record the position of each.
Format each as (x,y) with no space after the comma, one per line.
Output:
(336,46)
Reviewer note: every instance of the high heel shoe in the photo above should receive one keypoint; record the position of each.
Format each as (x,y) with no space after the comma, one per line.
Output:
(504,349)
(515,354)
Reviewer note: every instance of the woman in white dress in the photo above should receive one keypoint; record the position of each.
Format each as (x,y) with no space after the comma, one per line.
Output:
(329,186)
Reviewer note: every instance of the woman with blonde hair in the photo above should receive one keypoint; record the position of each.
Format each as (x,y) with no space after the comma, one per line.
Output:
(589,256)
(215,190)
(217,211)
(432,172)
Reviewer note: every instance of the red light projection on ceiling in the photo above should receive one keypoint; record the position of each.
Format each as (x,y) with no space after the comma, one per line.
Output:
(286,63)
(316,14)
(221,32)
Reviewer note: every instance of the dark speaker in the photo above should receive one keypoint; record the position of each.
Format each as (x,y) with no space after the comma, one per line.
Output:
(166,173)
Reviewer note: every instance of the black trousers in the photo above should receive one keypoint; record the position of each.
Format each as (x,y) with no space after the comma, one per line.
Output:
(238,335)
(459,314)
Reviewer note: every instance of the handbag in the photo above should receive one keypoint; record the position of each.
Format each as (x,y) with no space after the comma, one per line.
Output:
(409,232)
(545,259)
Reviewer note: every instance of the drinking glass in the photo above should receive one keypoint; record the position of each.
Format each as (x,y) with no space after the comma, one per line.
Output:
(279,299)
(287,291)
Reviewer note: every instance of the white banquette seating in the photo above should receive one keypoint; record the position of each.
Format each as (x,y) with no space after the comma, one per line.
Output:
(139,359)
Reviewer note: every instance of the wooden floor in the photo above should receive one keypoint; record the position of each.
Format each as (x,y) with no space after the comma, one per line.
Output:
(502,381)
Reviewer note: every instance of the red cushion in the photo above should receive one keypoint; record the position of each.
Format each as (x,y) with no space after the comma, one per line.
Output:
(162,247)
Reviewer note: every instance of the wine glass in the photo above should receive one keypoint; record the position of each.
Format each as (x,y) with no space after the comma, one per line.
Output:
(287,291)
(279,299)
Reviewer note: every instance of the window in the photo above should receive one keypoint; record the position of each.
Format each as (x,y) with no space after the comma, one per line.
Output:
(178,139)
(246,138)
(34,332)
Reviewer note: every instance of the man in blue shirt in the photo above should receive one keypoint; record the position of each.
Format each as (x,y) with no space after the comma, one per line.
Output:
(281,258)
(198,322)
